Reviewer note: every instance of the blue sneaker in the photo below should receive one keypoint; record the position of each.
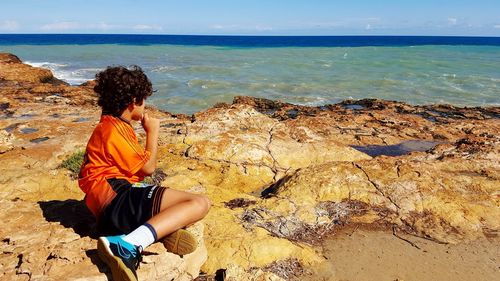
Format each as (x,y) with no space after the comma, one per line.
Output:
(122,257)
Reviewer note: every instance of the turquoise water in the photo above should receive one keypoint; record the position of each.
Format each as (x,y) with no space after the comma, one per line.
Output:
(193,78)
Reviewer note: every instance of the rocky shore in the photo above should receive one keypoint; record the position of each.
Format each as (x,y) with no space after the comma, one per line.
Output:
(282,178)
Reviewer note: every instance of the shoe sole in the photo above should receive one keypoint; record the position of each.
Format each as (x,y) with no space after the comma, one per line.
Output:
(180,242)
(119,270)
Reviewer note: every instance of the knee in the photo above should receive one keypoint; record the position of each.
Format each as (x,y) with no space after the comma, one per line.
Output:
(203,204)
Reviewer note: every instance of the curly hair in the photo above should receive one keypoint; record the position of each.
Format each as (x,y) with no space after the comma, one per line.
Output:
(118,86)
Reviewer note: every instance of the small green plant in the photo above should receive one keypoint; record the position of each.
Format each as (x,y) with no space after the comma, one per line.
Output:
(73,163)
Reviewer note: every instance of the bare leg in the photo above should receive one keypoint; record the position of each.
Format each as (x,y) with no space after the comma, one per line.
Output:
(179,209)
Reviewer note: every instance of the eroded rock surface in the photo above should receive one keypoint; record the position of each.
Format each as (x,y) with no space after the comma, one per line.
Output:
(286,180)
(280,176)
(47,233)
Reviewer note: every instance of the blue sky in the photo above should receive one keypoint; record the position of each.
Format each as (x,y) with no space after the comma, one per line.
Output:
(257,17)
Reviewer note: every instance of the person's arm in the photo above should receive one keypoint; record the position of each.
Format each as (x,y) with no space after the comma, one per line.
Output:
(151,126)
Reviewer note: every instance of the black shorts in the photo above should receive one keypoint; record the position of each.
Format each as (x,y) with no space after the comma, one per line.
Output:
(133,205)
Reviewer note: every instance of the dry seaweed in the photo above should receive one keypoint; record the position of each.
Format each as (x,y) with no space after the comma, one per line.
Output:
(239,203)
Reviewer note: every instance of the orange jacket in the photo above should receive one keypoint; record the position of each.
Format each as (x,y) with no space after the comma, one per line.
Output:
(112,152)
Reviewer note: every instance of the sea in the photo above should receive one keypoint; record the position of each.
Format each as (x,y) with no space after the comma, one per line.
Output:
(192,73)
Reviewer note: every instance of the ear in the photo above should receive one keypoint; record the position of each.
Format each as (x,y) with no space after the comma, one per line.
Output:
(131,106)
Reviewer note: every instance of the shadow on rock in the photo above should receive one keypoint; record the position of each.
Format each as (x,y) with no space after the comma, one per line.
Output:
(93,256)
(70,213)
(272,190)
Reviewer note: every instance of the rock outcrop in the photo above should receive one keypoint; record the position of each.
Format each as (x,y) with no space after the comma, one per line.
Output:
(280,176)
(47,233)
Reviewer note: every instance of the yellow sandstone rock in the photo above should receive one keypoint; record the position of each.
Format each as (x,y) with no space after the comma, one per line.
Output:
(280,177)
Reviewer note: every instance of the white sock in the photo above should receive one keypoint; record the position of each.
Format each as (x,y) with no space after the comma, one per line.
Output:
(143,236)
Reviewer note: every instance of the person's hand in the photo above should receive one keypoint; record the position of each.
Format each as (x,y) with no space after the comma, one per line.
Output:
(150,124)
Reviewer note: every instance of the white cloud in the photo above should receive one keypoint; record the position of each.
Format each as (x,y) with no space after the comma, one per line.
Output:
(226,27)
(104,26)
(367,23)
(497,26)
(147,27)
(9,25)
(263,28)
(74,26)
(452,21)
(244,28)
(321,24)
(60,26)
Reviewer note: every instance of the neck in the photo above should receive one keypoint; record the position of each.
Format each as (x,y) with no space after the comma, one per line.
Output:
(125,120)
(126,116)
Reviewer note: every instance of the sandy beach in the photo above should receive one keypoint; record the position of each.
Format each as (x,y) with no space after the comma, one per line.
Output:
(357,254)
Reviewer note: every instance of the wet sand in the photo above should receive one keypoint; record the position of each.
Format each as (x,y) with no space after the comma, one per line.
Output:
(379,255)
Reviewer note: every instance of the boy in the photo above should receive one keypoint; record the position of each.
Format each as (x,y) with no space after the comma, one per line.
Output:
(111,175)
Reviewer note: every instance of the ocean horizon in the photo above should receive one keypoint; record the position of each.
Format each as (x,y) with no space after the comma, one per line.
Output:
(248,40)
(193,72)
